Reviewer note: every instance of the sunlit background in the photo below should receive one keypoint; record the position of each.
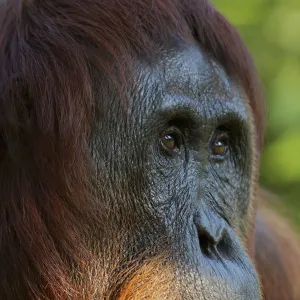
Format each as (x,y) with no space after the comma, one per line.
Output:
(271,30)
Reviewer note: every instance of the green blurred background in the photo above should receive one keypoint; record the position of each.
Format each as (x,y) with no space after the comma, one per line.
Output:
(271,30)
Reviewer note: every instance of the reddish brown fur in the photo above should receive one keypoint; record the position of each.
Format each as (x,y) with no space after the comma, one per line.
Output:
(277,253)
(47,208)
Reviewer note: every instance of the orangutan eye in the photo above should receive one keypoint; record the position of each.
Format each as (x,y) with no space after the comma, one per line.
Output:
(171,140)
(219,145)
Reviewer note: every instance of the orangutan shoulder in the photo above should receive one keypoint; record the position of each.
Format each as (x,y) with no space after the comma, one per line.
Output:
(277,252)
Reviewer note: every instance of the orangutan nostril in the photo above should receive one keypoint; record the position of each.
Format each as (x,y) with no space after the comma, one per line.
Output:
(206,242)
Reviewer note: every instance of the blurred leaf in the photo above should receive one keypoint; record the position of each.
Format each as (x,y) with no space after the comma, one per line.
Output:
(284,95)
(240,12)
(281,159)
(283,28)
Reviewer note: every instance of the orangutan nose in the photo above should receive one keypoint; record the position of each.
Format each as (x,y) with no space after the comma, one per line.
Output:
(211,232)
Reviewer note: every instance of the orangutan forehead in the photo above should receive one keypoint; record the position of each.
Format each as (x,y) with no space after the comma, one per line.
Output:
(190,66)
(187,72)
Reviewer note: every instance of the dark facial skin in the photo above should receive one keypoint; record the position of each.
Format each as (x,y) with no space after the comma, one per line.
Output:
(177,159)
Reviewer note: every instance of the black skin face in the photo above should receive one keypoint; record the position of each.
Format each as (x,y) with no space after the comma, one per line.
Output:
(177,161)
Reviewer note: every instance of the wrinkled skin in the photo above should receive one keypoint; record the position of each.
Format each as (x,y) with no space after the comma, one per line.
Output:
(195,201)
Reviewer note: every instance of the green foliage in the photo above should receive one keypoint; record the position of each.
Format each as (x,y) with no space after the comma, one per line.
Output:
(271,30)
